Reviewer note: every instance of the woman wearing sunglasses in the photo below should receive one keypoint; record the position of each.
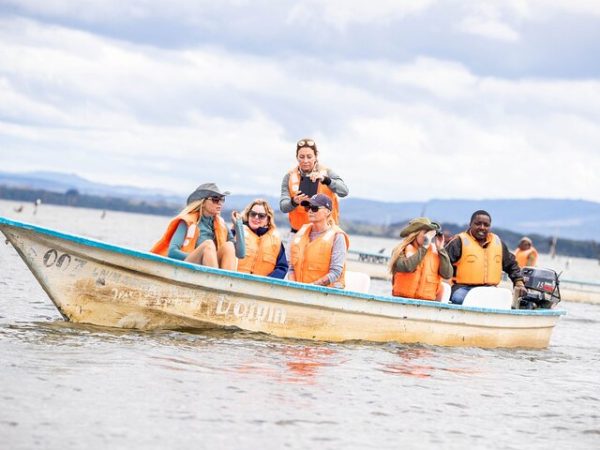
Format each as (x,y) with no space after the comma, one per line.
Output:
(318,250)
(198,234)
(312,176)
(265,254)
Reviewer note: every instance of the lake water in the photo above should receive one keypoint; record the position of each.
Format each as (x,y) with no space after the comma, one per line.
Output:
(68,386)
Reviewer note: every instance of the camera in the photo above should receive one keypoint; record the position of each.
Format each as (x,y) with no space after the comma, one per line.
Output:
(439,233)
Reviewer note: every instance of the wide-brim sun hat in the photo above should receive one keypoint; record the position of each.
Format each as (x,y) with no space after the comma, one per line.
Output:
(206,190)
(418,224)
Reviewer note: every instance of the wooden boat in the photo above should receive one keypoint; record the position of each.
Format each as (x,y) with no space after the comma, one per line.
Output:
(97,283)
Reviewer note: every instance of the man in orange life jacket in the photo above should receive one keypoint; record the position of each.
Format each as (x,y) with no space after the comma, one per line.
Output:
(479,257)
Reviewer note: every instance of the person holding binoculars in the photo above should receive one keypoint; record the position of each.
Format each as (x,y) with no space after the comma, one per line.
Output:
(420,263)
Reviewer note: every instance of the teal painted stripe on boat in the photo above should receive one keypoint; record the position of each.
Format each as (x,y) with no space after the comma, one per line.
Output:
(292,284)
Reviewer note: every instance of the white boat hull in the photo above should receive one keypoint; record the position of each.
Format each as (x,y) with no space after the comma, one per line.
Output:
(96,283)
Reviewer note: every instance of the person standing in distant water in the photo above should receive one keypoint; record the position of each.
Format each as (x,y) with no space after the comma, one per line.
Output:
(265,254)
(328,183)
(525,253)
(199,235)
(420,263)
(318,250)
(479,257)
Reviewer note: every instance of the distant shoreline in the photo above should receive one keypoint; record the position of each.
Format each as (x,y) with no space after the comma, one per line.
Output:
(567,247)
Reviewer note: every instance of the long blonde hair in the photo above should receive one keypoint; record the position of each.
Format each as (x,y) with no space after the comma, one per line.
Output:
(330,219)
(399,249)
(195,206)
(268,210)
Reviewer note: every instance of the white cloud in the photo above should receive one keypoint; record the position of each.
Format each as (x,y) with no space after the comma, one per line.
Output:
(342,14)
(165,118)
(445,79)
(489,29)
(337,13)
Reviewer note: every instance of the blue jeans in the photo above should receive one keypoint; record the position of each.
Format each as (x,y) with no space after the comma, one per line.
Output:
(458,296)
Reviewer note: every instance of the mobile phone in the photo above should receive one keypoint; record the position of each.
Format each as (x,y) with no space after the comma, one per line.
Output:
(308,187)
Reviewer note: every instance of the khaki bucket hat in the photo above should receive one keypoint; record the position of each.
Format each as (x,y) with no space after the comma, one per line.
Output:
(418,224)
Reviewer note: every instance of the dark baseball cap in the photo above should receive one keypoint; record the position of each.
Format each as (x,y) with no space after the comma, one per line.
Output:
(320,200)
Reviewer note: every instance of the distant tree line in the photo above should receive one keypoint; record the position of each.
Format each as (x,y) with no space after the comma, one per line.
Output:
(566,247)
(73,198)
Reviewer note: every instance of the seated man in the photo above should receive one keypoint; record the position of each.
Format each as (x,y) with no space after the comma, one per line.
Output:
(479,258)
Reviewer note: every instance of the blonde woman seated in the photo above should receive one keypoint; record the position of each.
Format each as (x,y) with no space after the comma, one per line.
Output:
(420,262)
(318,250)
(265,254)
(198,234)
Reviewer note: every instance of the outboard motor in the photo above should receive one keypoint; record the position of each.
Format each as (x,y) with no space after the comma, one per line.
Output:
(542,288)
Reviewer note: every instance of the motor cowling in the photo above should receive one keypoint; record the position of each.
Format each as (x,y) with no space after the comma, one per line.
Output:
(542,286)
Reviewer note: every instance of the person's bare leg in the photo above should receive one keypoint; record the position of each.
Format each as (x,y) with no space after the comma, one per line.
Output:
(209,255)
(226,255)
(205,254)
(194,256)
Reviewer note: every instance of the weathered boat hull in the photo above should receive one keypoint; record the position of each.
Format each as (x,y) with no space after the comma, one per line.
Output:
(96,283)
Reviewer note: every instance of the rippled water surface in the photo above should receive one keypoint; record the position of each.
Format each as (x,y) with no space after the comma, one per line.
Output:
(64,385)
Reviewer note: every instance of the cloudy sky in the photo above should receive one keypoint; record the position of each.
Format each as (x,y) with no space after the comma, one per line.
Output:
(407,99)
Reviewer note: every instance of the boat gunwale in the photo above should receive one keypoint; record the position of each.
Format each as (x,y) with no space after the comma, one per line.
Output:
(273,281)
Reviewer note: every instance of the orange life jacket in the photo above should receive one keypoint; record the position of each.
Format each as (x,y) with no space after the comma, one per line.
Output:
(311,260)
(261,252)
(424,282)
(522,257)
(478,265)
(298,216)
(191,236)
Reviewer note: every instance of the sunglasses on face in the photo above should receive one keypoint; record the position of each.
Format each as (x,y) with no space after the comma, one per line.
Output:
(254,214)
(306,143)
(312,208)
(217,200)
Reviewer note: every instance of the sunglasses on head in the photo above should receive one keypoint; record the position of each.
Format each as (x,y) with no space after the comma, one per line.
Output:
(305,143)
(217,200)
(312,208)
(261,216)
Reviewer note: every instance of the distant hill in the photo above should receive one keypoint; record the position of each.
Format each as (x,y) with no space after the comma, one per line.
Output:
(62,182)
(572,219)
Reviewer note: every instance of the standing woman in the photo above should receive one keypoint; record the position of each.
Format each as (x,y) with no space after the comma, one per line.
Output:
(329,184)
(198,234)
(318,250)
(265,254)
(420,262)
